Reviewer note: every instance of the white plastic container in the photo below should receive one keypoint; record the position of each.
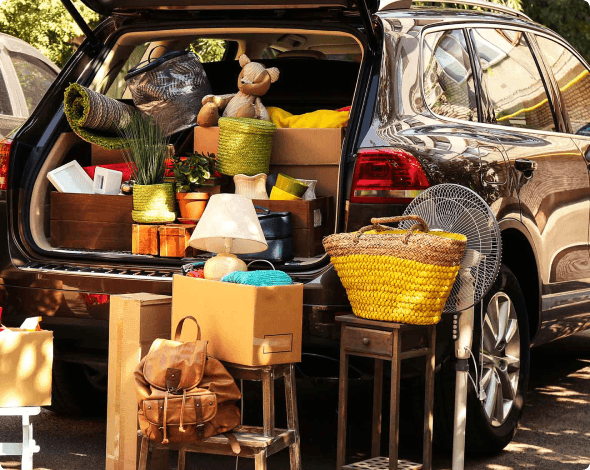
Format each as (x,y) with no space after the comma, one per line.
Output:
(71,178)
(107,181)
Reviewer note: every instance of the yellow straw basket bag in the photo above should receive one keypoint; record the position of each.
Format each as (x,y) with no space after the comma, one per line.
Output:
(402,276)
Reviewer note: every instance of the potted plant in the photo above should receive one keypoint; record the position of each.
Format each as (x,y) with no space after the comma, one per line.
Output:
(195,182)
(145,152)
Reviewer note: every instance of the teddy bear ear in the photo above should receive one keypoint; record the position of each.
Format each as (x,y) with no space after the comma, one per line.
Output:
(244,60)
(274,74)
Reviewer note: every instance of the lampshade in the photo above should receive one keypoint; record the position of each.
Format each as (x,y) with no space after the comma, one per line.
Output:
(229,221)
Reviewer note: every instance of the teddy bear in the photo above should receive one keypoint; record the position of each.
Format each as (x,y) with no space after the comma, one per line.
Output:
(254,81)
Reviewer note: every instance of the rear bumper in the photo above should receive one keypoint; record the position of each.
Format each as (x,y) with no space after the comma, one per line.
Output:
(76,307)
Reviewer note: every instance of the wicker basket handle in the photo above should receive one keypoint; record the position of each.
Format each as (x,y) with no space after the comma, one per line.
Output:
(420,225)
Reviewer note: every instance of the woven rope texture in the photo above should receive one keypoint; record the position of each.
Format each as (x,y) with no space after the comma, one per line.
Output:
(244,146)
(392,276)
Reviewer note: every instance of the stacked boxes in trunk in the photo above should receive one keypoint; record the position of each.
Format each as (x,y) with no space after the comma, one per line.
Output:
(104,222)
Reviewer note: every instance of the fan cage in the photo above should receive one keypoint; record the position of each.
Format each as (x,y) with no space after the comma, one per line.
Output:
(455,208)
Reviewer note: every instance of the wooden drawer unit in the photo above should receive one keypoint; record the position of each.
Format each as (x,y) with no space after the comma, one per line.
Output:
(371,342)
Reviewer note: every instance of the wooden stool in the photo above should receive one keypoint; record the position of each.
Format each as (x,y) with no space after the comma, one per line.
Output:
(394,342)
(256,442)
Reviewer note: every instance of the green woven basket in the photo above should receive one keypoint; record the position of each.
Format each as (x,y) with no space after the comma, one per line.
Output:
(244,146)
(153,203)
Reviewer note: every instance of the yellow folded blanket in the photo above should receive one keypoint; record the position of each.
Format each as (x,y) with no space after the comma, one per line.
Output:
(323,118)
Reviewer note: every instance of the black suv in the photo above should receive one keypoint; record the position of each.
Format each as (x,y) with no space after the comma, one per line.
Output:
(489,100)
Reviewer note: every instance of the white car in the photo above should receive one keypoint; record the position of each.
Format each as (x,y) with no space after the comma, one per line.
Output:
(25,76)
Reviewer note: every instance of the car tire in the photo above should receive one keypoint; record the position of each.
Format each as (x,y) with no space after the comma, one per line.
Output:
(506,371)
(73,394)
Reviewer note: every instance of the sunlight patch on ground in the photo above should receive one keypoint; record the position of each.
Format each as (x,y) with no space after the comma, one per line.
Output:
(522,447)
(577,401)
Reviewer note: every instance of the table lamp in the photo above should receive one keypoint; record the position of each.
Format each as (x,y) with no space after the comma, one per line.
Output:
(229,225)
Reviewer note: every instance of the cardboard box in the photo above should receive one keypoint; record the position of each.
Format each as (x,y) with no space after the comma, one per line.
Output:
(136,320)
(26,362)
(244,324)
(91,221)
(103,156)
(311,222)
(300,153)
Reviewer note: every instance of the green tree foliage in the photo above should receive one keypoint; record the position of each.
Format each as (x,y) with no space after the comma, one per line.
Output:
(208,50)
(569,18)
(45,24)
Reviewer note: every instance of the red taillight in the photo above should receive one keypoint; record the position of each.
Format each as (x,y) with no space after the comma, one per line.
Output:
(387,176)
(4,159)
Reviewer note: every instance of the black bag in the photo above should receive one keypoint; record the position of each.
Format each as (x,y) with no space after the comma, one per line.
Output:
(170,89)
(276,227)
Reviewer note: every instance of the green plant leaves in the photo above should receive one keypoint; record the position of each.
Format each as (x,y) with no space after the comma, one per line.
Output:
(147,147)
(192,171)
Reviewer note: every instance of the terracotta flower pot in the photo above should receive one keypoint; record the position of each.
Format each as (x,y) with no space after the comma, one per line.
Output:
(192,205)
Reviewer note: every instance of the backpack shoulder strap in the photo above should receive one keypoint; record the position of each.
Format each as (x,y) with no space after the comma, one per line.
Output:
(179,328)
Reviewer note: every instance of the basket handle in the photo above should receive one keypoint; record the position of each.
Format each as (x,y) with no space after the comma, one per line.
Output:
(420,225)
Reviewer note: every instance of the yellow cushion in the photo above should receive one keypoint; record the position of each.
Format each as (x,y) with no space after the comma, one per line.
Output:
(322,118)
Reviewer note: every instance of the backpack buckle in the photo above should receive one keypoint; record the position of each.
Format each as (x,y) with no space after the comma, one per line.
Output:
(172,379)
(200,431)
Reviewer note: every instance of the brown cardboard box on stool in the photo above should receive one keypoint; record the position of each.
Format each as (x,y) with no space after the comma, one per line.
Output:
(136,320)
(26,360)
(245,325)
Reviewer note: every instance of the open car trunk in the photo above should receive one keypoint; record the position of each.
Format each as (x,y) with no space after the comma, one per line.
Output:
(71,224)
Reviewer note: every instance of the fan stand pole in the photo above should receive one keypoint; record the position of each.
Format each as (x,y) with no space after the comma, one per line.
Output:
(462,350)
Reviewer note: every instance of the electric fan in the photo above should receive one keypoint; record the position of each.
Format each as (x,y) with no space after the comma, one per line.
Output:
(454,208)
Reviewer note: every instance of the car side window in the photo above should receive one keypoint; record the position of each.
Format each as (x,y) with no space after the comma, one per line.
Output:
(5,106)
(35,77)
(448,79)
(512,81)
(573,80)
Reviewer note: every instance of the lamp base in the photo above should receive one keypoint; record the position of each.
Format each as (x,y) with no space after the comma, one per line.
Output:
(222,264)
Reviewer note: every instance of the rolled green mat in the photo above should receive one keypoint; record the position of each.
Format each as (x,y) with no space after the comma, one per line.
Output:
(96,118)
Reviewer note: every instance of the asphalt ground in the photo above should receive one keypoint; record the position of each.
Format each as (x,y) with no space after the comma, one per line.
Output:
(554,433)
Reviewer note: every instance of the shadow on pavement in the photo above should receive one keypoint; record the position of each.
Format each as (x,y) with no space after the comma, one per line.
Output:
(554,432)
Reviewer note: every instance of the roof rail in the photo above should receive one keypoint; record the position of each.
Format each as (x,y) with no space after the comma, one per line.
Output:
(388,5)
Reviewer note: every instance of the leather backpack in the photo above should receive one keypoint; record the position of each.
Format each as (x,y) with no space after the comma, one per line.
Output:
(183,395)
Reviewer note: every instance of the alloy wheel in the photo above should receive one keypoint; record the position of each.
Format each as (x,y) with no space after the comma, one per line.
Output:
(499,359)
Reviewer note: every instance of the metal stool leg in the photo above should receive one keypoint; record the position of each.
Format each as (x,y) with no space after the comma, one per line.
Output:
(143,453)
(292,418)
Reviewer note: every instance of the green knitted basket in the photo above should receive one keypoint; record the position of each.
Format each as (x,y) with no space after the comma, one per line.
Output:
(153,203)
(244,146)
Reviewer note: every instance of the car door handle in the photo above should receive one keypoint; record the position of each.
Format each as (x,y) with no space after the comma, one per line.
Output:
(524,165)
